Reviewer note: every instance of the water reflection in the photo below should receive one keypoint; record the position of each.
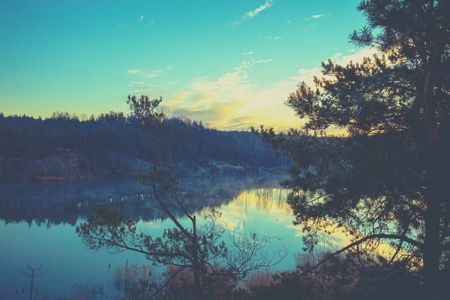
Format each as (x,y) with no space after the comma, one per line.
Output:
(65,202)
(37,224)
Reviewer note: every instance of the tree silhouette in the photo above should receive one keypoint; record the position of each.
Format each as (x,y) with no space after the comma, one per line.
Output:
(200,249)
(389,177)
(32,272)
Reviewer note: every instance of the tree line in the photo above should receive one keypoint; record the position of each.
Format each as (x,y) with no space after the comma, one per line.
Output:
(35,138)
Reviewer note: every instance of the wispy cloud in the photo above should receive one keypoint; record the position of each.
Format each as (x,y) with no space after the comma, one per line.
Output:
(254,12)
(172,82)
(142,84)
(314,17)
(307,75)
(154,73)
(147,74)
(233,102)
(356,56)
(263,60)
(248,64)
(150,23)
(280,37)
(248,53)
(136,83)
(335,57)
(225,83)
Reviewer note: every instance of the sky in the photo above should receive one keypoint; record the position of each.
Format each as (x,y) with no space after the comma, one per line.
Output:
(231,64)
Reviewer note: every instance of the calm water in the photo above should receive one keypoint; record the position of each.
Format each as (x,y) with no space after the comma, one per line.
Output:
(38,221)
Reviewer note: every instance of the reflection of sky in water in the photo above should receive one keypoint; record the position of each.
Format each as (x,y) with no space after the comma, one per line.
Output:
(67,261)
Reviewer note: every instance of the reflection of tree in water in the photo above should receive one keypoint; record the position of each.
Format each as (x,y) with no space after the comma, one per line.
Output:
(66,202)
(265,199)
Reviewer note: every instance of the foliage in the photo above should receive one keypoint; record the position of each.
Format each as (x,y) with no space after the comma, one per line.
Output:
(96,137)
(388,178)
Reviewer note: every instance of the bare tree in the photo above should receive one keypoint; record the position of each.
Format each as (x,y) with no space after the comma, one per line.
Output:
(32,272)
(199,249)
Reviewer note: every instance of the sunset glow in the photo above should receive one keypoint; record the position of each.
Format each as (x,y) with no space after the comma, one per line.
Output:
(231,65)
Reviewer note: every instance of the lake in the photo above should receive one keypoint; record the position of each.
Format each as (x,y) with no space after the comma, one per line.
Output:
(38,221)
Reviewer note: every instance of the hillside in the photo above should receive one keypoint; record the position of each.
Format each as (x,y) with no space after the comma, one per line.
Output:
(113,145)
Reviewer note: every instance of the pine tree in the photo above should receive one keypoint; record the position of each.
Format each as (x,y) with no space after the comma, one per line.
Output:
(388,178)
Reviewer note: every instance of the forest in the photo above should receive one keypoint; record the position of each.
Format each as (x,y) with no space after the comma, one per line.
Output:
(102,142)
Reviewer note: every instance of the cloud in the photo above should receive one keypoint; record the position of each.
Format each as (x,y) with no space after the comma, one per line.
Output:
(248,64)
(233,102)
(335,57)
(154,73)
(357,56)
(280,37)
(180,95)
(149,74)
(172,82)
(142,84)
(266,5)
(254,12)
(226,82)
(150,23)
(314,17)
(215,114)
(248,53)
(263,61)
(231,79)
(136,83)
(307,75)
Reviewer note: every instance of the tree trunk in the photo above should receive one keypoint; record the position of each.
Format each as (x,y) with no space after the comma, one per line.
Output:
(32,284)
(432,248)
(197,267)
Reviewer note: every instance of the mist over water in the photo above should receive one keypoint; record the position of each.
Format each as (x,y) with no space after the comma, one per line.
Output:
(38,221)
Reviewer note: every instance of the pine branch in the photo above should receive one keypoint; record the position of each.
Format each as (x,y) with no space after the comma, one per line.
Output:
(362,240)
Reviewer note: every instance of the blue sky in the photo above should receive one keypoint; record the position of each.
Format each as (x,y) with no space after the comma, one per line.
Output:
(230,63)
